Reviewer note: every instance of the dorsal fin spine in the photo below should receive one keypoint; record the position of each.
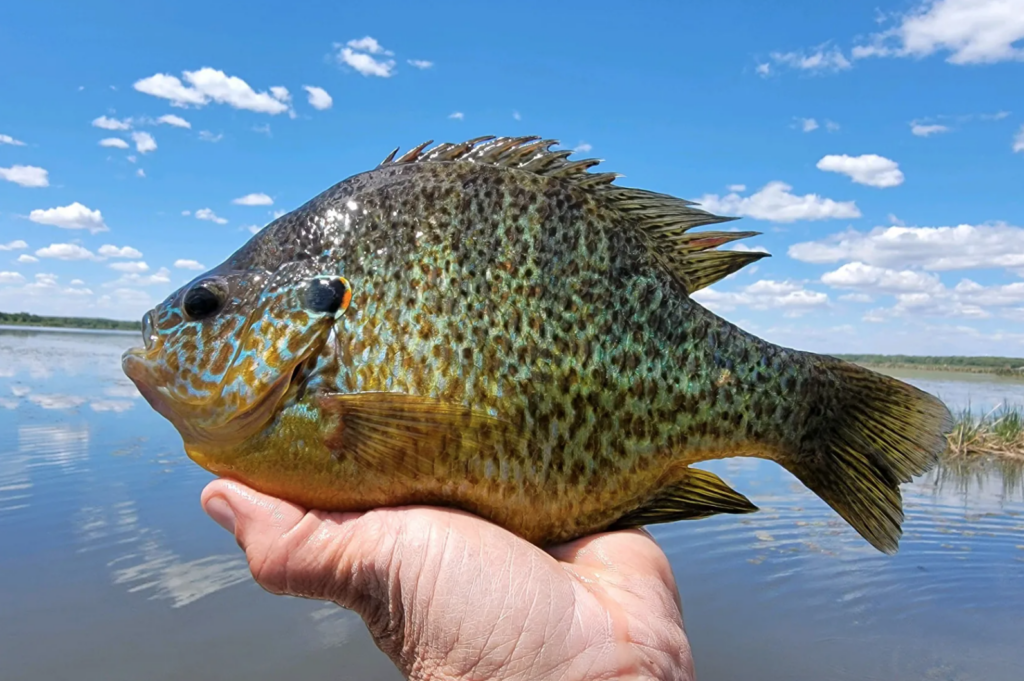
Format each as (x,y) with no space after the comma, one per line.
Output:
(663,219)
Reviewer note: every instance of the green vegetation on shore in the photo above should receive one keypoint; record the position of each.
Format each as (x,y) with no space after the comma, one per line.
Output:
(26,319)
(997,434)
(1001,366)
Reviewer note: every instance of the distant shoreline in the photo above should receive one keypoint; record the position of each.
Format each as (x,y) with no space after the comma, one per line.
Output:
(25,320)
(997,366)
(992,371)
(26,328)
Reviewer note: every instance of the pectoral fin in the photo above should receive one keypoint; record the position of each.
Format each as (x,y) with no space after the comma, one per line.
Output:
(699,495)
(401,434)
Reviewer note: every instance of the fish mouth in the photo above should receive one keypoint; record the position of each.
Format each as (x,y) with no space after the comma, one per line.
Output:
(193,420)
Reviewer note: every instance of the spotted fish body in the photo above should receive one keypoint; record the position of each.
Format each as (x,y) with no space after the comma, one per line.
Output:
(491,327)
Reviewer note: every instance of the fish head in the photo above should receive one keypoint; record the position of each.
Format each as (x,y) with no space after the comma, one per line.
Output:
(225,352)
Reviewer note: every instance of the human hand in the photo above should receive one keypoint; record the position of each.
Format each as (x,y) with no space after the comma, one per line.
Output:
(447,595)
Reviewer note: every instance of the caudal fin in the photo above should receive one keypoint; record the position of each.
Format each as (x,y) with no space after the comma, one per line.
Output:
(880,432)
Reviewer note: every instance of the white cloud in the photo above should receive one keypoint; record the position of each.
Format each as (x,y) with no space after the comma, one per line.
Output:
(280,93)
(15,245)
(420,63)
(367,44)
(821,59)
(73,216)
(45,295)
(278,213)
(140,172)
(207,136)
(857,275)
(112,123)
(110,251)
(26,176)
(999,295)
(262,129)
(259,199)
(457,115)
(1018,140)
(808,124)
(318,97)
(11,278)
(114,142)
(134,266)
(869,169)
(367,65)
(775,203)
(206,85)
(144,142)
(7,139)
(926,129)
(207,214)
(77,282)
(171,88)
(766,294)
(255,228)
(26,258)
(856,298)
(971,31)
(132,158)
(737,187)
(357,54)
(66,252)
(131,279)
(517,116)
(920,293)
(176,121)
(184,264)
(831,126)
(930,248)
(764,69)
(582,148)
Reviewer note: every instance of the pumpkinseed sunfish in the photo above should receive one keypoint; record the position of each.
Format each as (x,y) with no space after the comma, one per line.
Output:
(492,327)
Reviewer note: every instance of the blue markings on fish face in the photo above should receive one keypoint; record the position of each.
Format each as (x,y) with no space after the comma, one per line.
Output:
(221,352)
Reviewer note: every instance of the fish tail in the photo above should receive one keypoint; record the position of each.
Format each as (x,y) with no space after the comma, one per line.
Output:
(871,434)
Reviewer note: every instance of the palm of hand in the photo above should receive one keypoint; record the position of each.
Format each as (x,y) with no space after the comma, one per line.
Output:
(448,595)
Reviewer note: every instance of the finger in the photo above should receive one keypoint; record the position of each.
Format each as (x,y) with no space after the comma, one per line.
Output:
(296,552)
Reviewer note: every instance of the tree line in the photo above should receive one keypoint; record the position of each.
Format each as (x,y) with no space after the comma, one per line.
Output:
(26,319)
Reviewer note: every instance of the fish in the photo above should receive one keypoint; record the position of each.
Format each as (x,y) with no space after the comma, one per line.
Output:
(492,327)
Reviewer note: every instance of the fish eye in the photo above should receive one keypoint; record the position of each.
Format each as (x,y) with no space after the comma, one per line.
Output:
(203,300)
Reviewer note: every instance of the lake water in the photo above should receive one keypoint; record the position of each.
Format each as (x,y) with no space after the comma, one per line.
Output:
(110,569)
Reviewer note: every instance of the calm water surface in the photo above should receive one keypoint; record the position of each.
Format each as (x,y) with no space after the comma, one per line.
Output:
(110,569)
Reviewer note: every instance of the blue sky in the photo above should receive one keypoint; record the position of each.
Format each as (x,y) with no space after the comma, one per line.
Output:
(880,148)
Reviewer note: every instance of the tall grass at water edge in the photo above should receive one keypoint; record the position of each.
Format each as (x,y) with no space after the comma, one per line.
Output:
(999,433)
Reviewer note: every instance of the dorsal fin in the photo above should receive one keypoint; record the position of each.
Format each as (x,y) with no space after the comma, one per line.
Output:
(665,220)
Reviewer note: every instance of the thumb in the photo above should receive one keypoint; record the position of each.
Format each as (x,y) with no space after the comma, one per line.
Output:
(341,557)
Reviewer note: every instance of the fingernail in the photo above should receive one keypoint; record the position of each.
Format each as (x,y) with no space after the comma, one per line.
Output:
(220,511)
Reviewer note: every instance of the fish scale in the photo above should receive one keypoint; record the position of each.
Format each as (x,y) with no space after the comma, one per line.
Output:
(517,340)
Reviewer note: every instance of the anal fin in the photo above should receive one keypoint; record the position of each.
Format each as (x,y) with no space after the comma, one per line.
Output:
(699,495)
